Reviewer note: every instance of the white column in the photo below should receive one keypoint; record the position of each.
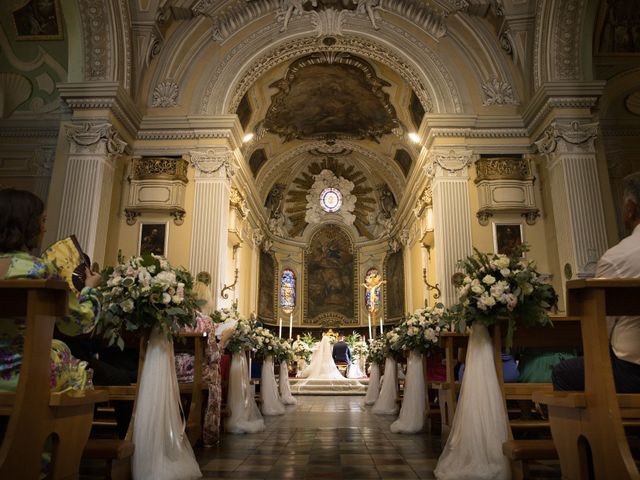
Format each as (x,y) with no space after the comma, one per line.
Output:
(257,239)
(88,185)
(408,274)
(214,170)
(449,173)
(575,192)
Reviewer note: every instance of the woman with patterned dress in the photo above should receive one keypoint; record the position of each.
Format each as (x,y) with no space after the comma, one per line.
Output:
(22,221)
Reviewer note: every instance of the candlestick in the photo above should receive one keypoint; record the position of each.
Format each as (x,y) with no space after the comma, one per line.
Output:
(370,333)
(290,325)
(280,328)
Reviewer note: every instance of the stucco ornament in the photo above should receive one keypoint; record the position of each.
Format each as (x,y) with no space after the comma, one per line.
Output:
(327,179)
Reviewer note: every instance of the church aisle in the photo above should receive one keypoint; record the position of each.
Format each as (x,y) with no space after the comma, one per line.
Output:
(323,437)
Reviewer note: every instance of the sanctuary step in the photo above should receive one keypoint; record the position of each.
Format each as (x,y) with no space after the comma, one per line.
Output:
(348,386)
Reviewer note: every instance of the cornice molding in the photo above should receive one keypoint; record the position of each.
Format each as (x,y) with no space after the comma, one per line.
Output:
(102,96)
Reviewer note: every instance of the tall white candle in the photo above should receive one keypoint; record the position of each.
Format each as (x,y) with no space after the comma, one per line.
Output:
(290,325)
(280,328)
(381,330)
(370,331)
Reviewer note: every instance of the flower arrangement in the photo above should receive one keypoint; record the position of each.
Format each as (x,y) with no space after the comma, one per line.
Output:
(498,286)
(242,338)
(377,351)
(302,350)
(419,331)
(266,343)
(309,339)
(360,350)
(142,293)
(284,351)
(352,339)
(225,314)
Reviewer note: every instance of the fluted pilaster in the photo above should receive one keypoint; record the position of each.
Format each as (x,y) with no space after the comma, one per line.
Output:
(214,170)
(575,192)
(88,185)
(449,173)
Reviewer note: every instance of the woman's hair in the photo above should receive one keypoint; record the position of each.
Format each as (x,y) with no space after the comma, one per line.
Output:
(20,213)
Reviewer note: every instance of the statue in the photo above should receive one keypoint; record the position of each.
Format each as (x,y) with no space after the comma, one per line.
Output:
(293,6)
(372,284)
(366,6)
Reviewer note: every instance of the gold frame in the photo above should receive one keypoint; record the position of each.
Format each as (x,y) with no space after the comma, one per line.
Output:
(57,36)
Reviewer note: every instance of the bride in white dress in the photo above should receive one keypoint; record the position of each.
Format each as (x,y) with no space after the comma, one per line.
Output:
(322,366)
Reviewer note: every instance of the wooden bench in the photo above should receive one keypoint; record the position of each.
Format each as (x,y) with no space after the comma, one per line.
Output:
(587,427)
(35,413)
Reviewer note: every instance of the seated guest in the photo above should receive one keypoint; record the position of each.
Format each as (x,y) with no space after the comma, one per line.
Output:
(22,220)
(341,351)
(621,261)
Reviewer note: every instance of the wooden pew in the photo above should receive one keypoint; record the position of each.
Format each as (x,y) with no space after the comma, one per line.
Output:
(115,452)
(34,411)
(195,388)
(587,427)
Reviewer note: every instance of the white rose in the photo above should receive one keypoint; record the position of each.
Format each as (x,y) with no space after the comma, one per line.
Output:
(489,280)
(505,272)
(166,298)
(503,262)
(127,305)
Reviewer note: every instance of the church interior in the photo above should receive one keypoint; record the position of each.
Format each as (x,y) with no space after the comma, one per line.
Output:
(290,149)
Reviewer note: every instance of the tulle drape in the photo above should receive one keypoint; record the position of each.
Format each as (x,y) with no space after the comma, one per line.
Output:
(162,448)
(411,419)
(245,415)
(386,402)
(373,390)
(271,403)
(285,388)
(479,428)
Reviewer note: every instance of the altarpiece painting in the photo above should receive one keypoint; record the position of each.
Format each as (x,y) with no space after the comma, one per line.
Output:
(329,278)
(394,288)
(267,288)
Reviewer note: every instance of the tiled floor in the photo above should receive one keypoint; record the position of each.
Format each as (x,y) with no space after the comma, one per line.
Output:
(323,438)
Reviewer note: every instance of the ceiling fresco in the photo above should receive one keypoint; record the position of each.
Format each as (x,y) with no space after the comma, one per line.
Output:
(330,96)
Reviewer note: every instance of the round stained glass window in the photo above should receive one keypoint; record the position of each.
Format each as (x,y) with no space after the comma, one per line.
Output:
(330,200)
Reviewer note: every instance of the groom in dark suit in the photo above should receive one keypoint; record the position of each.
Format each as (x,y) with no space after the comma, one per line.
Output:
(341,352)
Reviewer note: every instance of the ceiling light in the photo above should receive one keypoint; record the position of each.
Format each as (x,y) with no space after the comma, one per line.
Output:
(247,138)
(414,137)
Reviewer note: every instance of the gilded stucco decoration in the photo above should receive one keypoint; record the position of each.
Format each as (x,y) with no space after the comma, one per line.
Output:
(503,169)
(330,95)
(296,199)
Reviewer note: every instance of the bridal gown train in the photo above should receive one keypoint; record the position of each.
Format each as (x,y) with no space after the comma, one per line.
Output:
(322,366)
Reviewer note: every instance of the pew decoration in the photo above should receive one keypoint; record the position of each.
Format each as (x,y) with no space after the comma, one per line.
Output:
(243,338)
(147,294)
(494,288)
(497,287)
(375,357)
(143,293)
(415,335)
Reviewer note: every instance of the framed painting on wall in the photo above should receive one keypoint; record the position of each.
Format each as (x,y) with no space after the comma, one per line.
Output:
(38,20)
(507,237)
(153,238)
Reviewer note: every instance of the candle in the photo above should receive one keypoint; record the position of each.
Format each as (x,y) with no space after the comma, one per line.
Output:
(370,332)
(290,325)
(280,328)
(381,330)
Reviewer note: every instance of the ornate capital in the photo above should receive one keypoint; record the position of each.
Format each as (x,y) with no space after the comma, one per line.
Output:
(568,137)
(213,164)
(87,136)
(424,200)
(237,201)
(453,163)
